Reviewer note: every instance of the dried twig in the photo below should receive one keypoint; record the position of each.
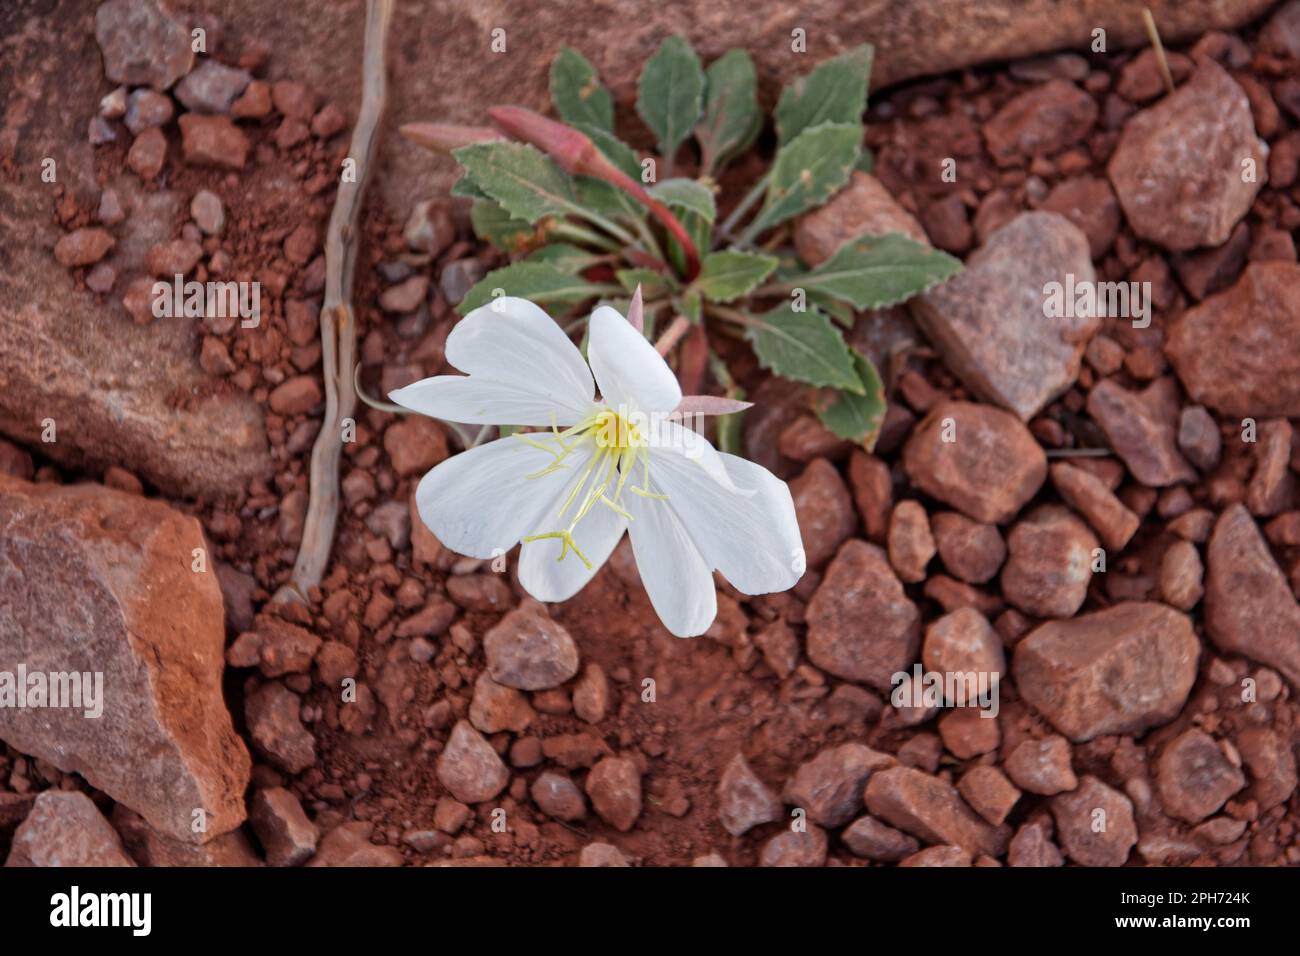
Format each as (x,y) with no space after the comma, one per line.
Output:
(1159,48)
(337,321)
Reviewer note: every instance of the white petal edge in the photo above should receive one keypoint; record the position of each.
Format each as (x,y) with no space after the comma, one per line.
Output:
(549,579)
(630,373)
(753,539)
(481,500)
(474,400)
(676,578)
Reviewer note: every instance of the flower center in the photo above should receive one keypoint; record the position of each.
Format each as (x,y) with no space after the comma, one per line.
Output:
(619,444)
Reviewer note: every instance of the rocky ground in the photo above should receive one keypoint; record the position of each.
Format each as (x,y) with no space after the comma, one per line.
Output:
(423,711)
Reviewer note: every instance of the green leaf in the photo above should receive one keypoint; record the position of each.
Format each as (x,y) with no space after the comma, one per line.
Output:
(606,199)
(872,272)
(615,150)
(686,194)
(866,162)
(653,284)
(542,282)
(671,93)
(731,120)
(726,276)
(807,171)
(527,183)
(803,346)
(690,305)
(494,225)
(858,418)
(834,92)
(577,93)
(466,188)
(565,256)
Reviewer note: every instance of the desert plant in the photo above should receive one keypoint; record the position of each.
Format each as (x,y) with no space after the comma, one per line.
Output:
(587,219)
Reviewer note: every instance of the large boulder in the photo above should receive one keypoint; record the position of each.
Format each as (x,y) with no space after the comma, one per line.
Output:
(99,582)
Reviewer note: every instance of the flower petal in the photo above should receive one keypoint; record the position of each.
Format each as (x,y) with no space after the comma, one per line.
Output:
(630,373)
(512,342)
(676,577)
(474,400)
(753,539)
(549,579)
(668,437)
(483,500)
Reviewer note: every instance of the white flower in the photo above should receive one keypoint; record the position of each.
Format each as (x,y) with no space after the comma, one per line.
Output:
(600,468)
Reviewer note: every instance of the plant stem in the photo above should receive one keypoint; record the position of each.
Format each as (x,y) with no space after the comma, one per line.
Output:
(613,228)
(755,193)
(337,320)
(677,328)
(570,230)
(735,315)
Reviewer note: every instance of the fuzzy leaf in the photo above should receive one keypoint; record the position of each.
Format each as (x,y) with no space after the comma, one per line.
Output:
(527,183)
(726,276)
(731,120)
(807,171)
(858,418)
(577,93)
(653,284)
(494,225)
(565,256)
(691,305)
(542,282)
(615,150)
(671,93)
(872,272)
(686,194)
(465,188)
(834,92)
(804,346)
(606,199)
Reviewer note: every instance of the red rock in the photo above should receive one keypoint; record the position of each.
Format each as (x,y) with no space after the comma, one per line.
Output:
(1198,437)
(930,809)
(301,244)
(872,493)
(938,856)
(284,648)
(1181,573)
(1089,203)
(83,247)
(212,87)
(963,643)
(966,733)
(480,592)
(284,831)
(1234,351)
(1249,607)
(558,797)
(142,44)
(212,141)
(469,767)
(101,581)
(349,845)
(295,396)
(614,786)
(591,694)
(911,546)
(64,828)
(863,207)
(146,109)
(824,509)
(1272,486)
(1194,777)
(405,296)
(989,470)
(1142,428)
(1281,35)
(1177,167)
(947,225)
(829,786)
(1040,122)
(969,550)
(415,444)
(1049,563)
(744,801)
(1118,671)
(255,103)
(275,724)
(1095,824)
(1141,79)
(1272,766)
(328,122)
(1042,766)
(802,848)
(1032,846)
(294,100)
(870,839)
(1089,496)
(1203,273)
(989,792)
(529,651)
(988,322)
(496,708)
(172,258)
(860,586)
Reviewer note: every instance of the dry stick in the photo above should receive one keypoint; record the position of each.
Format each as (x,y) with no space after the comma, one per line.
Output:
(1159,47)
(337,321)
